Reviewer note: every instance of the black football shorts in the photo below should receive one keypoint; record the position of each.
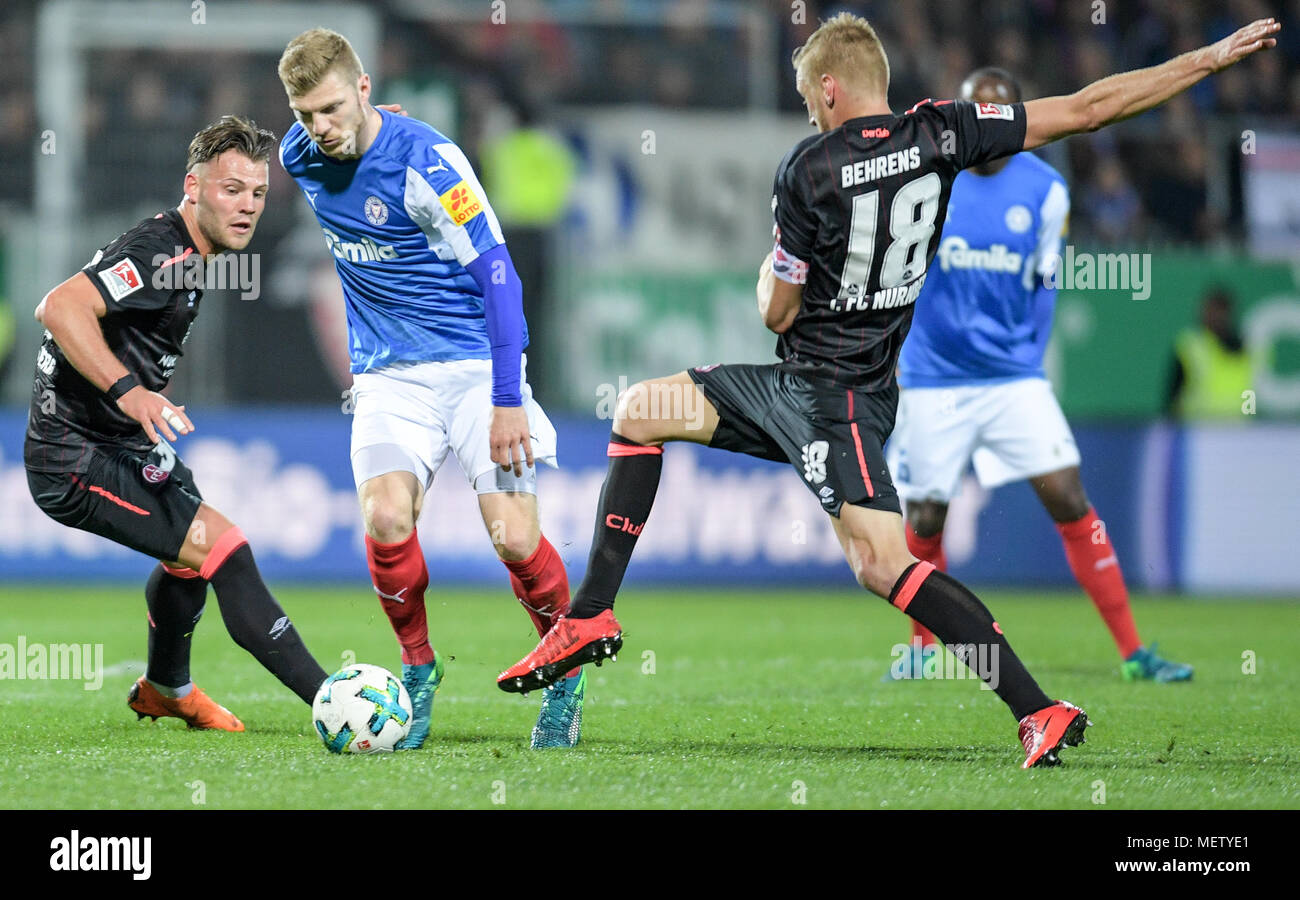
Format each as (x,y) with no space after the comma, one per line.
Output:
(834,437)
(146,503)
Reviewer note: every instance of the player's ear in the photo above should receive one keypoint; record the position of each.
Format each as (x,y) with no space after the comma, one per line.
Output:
(191,187)
(363,86)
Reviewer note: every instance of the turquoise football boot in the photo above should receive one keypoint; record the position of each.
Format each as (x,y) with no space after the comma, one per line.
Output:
(559,724)
(421,683)
(911,664)
(1145,665)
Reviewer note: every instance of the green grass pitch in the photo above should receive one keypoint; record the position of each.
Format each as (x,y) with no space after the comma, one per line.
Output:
(720,699)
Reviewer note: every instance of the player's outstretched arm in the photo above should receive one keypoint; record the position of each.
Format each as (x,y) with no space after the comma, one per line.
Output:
(1123,96)
(71,313)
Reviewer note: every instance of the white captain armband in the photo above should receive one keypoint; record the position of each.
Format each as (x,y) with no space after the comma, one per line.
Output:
(788,268)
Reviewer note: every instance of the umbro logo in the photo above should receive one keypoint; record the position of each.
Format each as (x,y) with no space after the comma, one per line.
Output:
(814,461)
(279,628)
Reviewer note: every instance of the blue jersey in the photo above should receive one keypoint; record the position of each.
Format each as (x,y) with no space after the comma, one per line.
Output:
(402,222)
(985,312)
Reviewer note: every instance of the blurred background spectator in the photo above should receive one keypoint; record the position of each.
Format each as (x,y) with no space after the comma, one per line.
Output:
(628,147)
(509,92)
(1210,376)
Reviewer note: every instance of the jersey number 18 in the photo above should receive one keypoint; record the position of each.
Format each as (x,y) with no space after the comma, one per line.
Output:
(911,225)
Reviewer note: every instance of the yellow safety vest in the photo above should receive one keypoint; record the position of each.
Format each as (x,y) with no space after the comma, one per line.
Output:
(1214,378)
(528,174)
(7,328)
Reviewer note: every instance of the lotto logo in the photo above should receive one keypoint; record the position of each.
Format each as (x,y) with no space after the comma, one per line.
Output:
(461,203)
(814,461)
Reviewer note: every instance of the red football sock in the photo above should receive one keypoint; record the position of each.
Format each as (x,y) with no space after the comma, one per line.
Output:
(541,585)
(1096,567)
(926,549)
(400,577)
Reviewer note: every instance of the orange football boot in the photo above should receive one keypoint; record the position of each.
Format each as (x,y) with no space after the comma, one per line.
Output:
(196,708)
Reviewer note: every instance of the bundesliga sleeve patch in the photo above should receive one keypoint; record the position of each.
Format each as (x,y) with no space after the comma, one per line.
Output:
(995,111)
(788,268)
(121,279)
(461,203)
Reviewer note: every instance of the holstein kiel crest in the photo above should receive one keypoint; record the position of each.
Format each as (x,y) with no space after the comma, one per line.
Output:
(376,210)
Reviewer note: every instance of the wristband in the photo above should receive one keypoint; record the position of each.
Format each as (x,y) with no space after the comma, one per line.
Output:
(121,386)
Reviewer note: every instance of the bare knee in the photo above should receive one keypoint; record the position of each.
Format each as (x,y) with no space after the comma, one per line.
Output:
(388,521)
(631,419)
(880,576)
(516,543)
(1069,509)
(512,523)
(1062,495)
(205,530)
(879,569)
(927,518)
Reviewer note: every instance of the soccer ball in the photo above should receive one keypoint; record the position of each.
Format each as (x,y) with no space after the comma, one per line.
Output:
(361,709)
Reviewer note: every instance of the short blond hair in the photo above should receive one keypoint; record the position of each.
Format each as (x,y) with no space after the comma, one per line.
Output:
(847,47)
(314,54)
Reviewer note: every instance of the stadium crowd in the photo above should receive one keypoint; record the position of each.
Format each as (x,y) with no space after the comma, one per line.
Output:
(666,52)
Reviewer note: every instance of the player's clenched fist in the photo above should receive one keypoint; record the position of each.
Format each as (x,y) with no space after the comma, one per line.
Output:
(509,432)
(155,413)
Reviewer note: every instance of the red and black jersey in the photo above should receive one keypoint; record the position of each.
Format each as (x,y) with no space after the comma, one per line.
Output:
(859,212)
(150,279)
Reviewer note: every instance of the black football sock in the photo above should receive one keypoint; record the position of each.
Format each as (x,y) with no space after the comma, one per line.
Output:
(625,501)
(258,624)
(175,605)
(943,605)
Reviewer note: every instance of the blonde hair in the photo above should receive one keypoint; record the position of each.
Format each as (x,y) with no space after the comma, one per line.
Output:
(314,54)
(847,47)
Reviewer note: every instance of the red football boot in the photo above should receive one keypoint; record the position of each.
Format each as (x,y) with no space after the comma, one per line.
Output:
(1047,731)
(569,643)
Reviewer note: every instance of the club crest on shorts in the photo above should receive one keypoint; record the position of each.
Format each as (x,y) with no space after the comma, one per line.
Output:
(159,464)
(376,210)
(155,474)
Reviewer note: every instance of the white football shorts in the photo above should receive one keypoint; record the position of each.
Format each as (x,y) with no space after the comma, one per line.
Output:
(407,416)
(1009,432)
